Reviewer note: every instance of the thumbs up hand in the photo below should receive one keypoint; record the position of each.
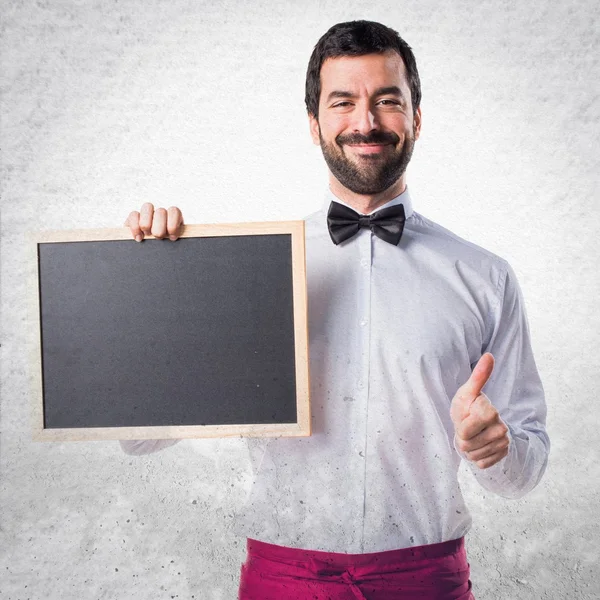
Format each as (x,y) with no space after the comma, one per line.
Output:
(480,432)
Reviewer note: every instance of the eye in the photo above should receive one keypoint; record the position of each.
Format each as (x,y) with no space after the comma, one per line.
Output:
(341,104)
(388,102)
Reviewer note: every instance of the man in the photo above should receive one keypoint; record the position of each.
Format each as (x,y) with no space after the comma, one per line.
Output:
(407,323)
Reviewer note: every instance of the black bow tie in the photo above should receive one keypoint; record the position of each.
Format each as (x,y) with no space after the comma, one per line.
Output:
(387,223)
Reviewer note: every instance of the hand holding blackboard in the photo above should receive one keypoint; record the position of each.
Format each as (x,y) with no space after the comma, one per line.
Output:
(227,350)
(157,223)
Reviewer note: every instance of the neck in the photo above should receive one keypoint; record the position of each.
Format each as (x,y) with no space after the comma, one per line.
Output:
(366,203)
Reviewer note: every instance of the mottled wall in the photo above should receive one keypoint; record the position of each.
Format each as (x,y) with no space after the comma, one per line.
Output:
(200,104)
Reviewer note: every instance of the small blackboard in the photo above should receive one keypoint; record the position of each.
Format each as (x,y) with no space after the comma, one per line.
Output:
(202,337)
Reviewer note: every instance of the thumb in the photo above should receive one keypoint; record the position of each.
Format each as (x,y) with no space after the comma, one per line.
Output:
(468,392)
(479,377)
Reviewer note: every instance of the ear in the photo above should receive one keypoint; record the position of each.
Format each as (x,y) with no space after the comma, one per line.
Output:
(417,123)
(314,129)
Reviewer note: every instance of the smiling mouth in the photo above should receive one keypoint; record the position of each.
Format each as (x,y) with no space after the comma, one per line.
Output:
(369,148)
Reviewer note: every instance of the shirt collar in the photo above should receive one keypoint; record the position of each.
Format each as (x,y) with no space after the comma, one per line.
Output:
(404,198)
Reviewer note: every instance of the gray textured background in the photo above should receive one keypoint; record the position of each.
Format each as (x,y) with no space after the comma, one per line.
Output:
(109,104)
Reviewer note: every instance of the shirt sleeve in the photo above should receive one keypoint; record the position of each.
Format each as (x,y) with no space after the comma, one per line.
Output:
(138,447)
(515,389)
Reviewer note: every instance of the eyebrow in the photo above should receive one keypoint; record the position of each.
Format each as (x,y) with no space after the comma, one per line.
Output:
(392,90)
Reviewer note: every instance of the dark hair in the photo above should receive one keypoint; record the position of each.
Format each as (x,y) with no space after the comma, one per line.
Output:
(357,38)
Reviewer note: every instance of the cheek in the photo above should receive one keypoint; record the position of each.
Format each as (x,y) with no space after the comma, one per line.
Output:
(331,127)
(398,123)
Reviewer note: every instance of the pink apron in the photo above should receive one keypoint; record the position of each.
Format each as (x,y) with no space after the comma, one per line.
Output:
(432,572)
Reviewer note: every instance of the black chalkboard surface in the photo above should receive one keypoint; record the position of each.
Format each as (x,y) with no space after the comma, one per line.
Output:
(201,337)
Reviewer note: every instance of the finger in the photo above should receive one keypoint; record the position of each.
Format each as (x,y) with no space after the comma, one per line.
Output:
(488,450)
(478,419)
(133,222)
(159,223)
(486,463)
(491,434)
(480,375)
(146,217)
(174,222)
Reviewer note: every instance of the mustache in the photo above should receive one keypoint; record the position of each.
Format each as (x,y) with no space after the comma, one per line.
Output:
(375,137)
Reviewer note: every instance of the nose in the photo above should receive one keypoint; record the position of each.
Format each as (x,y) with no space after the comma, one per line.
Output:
(365,120)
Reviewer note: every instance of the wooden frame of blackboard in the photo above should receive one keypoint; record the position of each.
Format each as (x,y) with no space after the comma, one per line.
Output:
(302,426)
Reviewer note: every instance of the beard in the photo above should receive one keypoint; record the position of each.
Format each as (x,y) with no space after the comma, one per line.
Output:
(373,173)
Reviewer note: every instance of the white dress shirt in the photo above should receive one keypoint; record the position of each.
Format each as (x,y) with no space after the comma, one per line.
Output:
(394,331)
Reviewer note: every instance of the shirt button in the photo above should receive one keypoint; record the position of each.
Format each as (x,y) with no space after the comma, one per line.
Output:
(363,322)
(360,385)
(364,263)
